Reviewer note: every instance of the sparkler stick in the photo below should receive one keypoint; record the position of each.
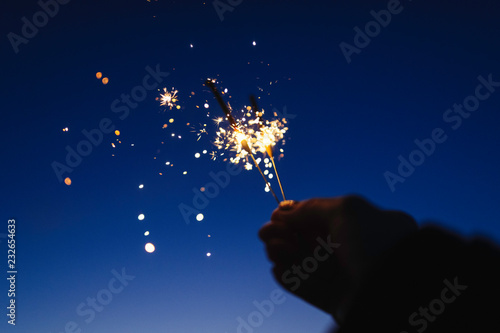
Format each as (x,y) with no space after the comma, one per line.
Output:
(245,146)
(223,105)
(233,123)
(269,148)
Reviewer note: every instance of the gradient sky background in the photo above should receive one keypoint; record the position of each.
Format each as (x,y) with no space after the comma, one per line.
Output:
(352,122)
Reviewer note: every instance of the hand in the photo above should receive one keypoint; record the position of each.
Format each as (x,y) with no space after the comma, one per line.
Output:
(322,249)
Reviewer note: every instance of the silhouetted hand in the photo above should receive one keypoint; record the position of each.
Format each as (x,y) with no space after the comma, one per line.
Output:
(322,249)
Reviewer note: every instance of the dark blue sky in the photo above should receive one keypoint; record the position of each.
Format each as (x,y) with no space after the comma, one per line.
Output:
(349,123)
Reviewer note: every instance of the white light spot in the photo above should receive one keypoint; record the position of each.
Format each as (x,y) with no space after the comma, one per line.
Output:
(185,173)
(146,233)
(266,160)
(197,155)
(150,248)
(140,217)
(254,43)
(266,172)
(141,186)
(199,217)
(204,152)
(206,106)
(266,189)
(191,45)
(167,163)
(209,254)
(270,175)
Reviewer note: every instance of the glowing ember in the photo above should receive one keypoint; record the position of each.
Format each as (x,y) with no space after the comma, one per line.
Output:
(169,98)
(150,248)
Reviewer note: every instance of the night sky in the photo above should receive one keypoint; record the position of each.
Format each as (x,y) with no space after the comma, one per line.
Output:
(396,101)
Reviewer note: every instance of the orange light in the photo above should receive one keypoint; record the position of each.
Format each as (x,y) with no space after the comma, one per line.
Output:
(117,132)
(98,75)
(67,181)
(105,80)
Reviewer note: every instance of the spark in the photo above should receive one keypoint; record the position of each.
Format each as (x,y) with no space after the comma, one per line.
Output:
(169,98)
(149,247)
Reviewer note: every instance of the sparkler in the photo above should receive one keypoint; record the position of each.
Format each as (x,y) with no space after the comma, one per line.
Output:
(269,148)
(263,139)
(169,98)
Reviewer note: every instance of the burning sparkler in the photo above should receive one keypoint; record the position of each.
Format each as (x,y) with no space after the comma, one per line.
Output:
(249,137)
(169,98)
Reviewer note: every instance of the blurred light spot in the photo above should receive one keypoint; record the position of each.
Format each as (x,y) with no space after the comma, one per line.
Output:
(202,189)
(141,186)
(150,248)
(171,120)
(185,173)
(199,217)
(270,176)
(67,181)
(204,152)
(146,233)
(98,75)
(209,254)
(140,217)
(105,80)
(266,189)
(254,43)
(117,132)
(197,155)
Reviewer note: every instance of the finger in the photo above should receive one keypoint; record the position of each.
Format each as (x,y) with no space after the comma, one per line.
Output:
(280,251)
(274,230)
